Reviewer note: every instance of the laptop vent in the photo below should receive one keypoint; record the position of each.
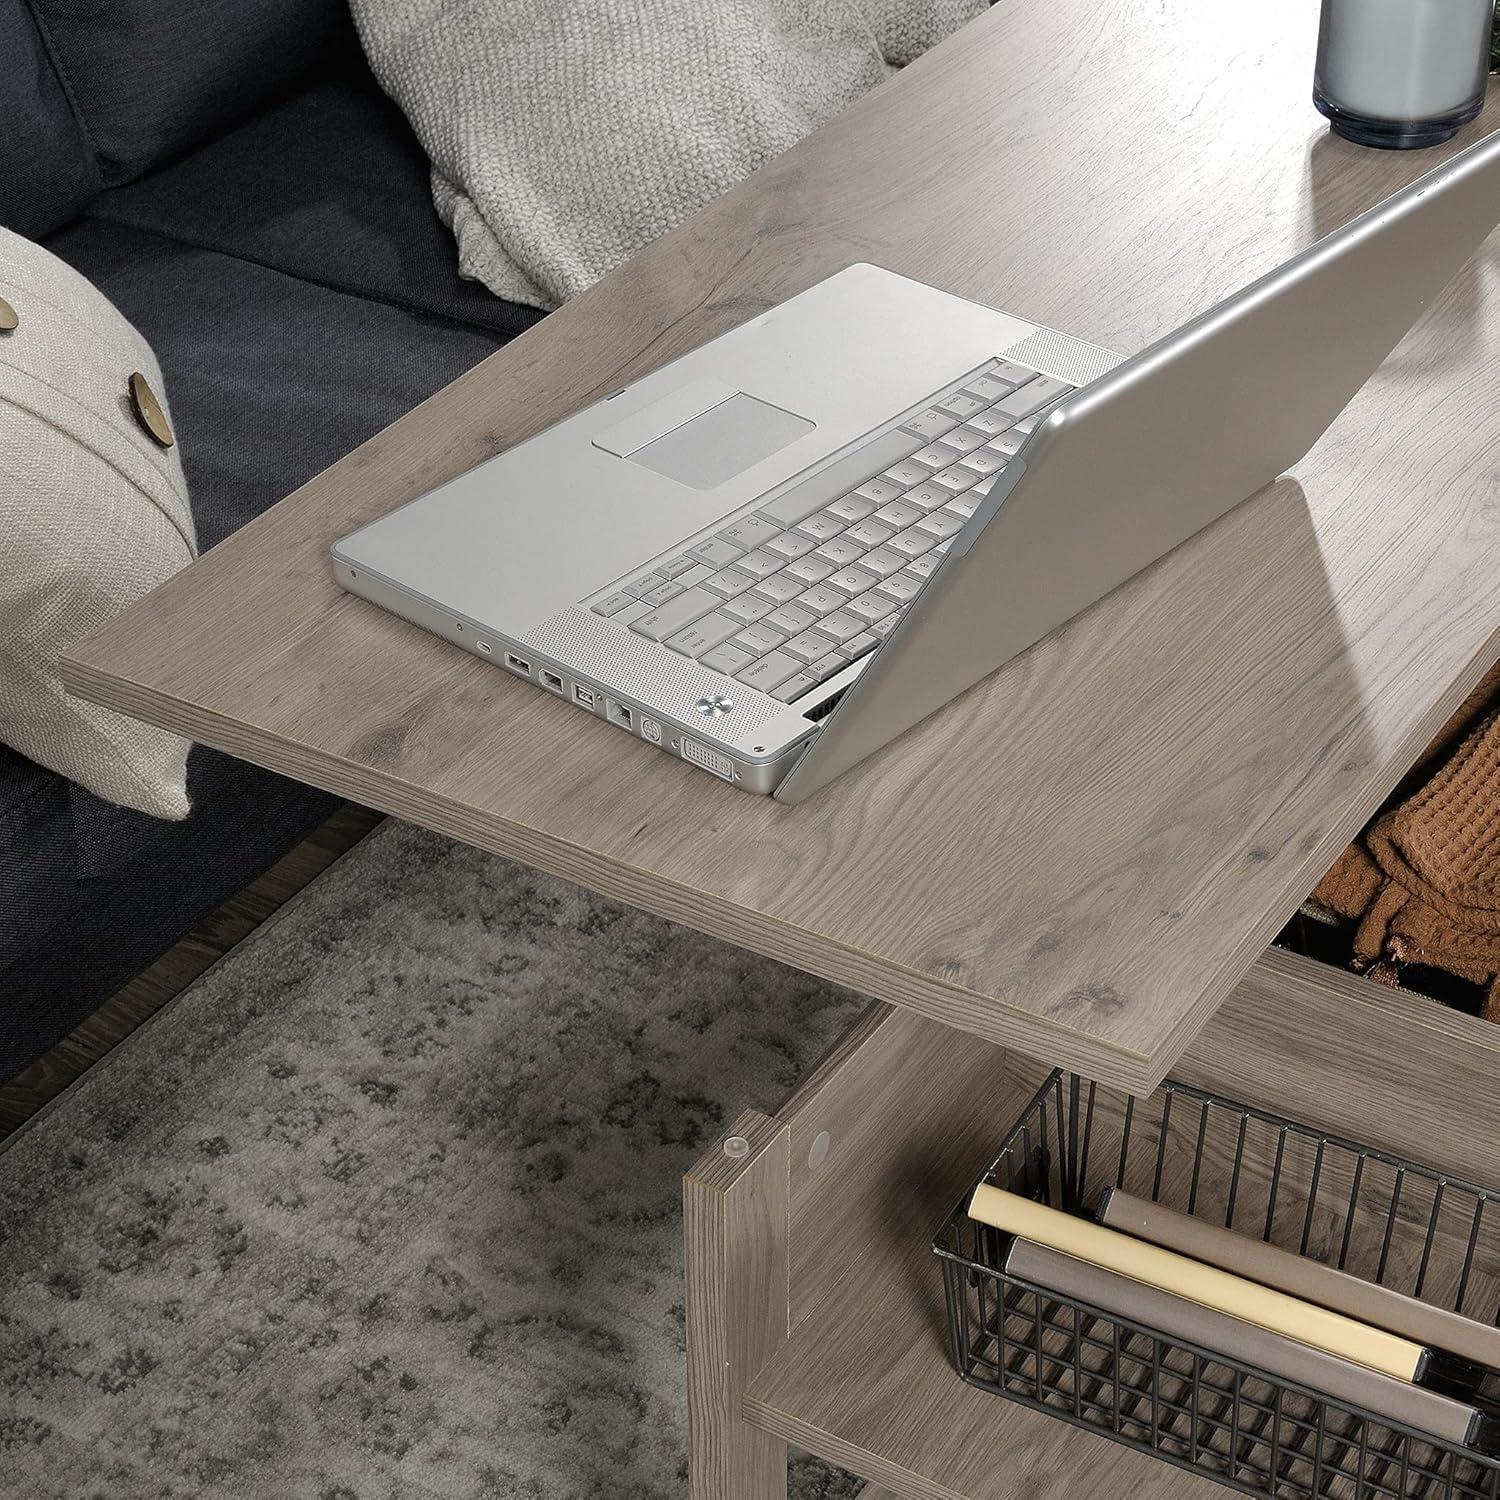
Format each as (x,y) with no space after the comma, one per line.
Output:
(648,673)
(1067,358)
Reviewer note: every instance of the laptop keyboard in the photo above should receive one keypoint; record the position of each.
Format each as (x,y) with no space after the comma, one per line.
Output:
(784,598)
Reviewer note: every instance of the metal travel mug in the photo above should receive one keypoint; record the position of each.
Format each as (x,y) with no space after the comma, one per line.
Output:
(1402,73)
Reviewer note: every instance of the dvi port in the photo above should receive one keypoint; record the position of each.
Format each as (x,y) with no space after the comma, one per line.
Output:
(711,760)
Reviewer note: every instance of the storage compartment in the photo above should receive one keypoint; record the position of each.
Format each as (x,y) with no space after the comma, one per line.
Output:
(1370,1213)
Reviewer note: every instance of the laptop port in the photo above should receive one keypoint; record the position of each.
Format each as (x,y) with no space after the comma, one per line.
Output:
(518,664)
(617,713)
(551,680)
(584,696)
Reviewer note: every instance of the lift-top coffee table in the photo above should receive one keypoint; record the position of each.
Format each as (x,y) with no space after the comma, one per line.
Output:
(1074,864)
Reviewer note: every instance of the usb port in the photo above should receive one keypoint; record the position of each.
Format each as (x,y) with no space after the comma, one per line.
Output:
(551,680)
(518,664)
(584,695)
(617,713)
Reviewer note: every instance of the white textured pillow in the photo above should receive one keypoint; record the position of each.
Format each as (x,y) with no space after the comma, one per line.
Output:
(93,514)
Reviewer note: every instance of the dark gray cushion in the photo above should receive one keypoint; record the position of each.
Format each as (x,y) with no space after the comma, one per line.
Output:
(47,173)
(271,379)
(150,78)
(329,185)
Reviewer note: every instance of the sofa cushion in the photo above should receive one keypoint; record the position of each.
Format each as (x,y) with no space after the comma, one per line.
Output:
(47,172)
(95,515)
(272,377)
(329,185)
(150,78)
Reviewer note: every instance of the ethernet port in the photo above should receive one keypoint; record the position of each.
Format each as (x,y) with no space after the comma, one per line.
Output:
(552,681)
(617,713)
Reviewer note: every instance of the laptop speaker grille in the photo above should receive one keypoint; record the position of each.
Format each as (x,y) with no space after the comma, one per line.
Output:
(1067,358)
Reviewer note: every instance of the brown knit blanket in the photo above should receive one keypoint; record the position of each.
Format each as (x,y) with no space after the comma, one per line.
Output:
(1423,881)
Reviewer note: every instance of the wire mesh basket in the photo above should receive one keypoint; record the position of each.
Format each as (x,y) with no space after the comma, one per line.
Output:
(1372,1214)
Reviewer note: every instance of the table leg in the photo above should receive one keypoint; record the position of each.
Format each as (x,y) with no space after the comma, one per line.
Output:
(735,1209)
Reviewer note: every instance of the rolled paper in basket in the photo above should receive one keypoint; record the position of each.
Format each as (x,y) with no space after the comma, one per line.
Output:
(1210,1287)
(1244,1255)
(1336,1379)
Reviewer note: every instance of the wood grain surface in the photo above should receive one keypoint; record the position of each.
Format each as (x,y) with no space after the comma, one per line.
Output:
(1082,855)
(734,1218)
(864,1379)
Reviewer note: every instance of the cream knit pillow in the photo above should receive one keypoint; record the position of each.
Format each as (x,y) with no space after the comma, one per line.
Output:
(93,514)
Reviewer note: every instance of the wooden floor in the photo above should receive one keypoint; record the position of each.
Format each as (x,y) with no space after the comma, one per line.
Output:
(176,969)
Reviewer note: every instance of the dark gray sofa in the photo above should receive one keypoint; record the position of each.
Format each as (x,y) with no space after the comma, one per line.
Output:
(229,174)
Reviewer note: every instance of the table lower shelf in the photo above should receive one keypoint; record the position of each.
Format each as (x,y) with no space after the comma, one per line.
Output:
(865,1383)
(862,1376)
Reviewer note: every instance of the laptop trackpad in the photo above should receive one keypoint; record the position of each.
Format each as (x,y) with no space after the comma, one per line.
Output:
(711,448)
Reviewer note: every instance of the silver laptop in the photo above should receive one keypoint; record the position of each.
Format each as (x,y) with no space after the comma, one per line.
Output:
(775,554)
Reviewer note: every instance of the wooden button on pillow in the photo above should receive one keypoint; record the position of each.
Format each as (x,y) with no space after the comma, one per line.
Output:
(93,515)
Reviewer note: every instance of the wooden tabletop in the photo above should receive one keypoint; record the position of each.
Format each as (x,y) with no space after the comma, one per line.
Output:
(1080,856)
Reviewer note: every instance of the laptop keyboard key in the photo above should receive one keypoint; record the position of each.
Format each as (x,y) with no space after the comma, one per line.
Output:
(963,505)
(852,581)
(814,492)
(902,588)
(779,589)
(770,671)
(992,422)
(761,563)
(1032,396)
(759,639)
(614,603)
(932,423)
(712,630)
(912,543)
(877,491)
(822,526)
(962,440)
(924,567)
(794,687)
(790,545)
(961,405)
(810,570)
(927,496)
(871,607)
(882,562)
(821,599)
(748,608)
(984,461)
(661,593)
(727,583)
(898,515)
(828,665)
(716,553)
(906,474)
(868,533)
(851,508)
(859,645)
(676,567)
(749,532)
(842,625)
(790,618)
(955,479)
(809,646)
(638,588)
(989,387)
(727,658)
(667,619)
(942,524)
(843,550)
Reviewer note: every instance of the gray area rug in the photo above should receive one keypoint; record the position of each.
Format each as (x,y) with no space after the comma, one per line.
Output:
(388,1204)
